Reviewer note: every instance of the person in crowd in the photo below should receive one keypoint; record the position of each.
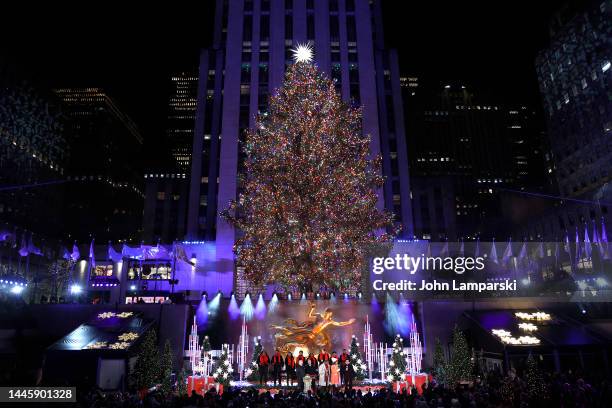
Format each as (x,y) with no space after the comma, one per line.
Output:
(290,368)
(311,369)
(263,361)
(277,367)
(344,357)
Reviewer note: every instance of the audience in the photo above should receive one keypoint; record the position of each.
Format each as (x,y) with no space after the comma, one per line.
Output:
(492,390)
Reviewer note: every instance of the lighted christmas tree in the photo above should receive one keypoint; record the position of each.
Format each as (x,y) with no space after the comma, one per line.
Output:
(308,211)
(146,371)
(461,364)
(397,365)
(223,370)
(181,383)
(206,344)
(536,387)
(252,371)
(358,364)
(439,363)
(166,368)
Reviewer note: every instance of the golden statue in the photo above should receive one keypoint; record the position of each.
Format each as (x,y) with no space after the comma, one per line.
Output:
(309,335)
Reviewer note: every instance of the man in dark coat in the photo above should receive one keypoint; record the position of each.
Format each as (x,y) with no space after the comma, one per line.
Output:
(300,370)
(263,362)
(344,357)
(349,375)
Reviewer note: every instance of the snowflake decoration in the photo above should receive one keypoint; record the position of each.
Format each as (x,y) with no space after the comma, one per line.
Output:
(128,336)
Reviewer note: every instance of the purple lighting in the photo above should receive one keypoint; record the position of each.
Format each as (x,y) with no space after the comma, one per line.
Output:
(233,309)
(260,308)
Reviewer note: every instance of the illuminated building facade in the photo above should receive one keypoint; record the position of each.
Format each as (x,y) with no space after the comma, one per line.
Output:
(181,117)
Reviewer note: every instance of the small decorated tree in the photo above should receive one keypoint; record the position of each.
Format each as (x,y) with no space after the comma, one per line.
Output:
(223,371)
(206,344)
(397,365)
(358,364)
(439,363)
(461,363)
(181,383)
(166,368)
(146,370)
(251,371)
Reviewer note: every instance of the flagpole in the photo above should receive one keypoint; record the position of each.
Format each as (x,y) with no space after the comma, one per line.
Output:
(173,265)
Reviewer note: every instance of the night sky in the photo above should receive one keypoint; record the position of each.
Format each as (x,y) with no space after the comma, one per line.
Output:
(131,53)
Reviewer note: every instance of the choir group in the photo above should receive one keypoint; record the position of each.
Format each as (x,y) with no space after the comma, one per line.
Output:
(325,369)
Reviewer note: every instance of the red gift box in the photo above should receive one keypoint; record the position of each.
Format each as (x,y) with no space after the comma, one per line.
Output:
(202,384)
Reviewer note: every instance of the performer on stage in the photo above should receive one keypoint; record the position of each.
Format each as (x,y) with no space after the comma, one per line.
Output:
(349,375)
(301,357)
(323,356)
(263,362)
(277,367)
(290,368)
(301,372)
(323,373)
(334,370)
(313,359)
(311,369)
(344,357)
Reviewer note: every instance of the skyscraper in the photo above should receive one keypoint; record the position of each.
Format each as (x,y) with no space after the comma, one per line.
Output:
(575,78)
(104,195)
(464,143)
(251,50)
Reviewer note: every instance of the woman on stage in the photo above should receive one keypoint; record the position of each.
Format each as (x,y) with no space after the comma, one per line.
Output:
(334,371)
(323,374)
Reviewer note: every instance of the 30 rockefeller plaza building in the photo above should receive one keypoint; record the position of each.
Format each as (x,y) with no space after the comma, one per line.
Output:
(247,62)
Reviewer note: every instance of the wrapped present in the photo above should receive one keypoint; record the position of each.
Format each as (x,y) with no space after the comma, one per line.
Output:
(419,381)
(201,384)
(401,386)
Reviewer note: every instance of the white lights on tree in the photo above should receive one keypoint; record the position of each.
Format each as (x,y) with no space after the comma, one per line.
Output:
(302,53)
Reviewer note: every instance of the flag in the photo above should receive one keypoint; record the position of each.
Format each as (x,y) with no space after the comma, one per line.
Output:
(566,244)
(65,253)
(92,256)
(493,254)
(23,251)
(133,253)
(507,252)
(181,255)
(76,254)
(578,248)
(541,253)
(523,253)
(477,250)
(113,255)
(444,250)
(557,253)
(604,240)
(587,242)
(33,249)
(462,248)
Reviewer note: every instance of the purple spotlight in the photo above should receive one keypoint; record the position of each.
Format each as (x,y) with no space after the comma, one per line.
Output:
(233,309)
(260,308)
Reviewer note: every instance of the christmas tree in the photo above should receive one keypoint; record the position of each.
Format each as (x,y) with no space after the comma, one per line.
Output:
(439,363)
(397,365)
(166,368)
(147,368)
(206,344)
(308,212)
(223,370)
(181,383)
(461,363)
(536,388)
(358,364)
(252,370)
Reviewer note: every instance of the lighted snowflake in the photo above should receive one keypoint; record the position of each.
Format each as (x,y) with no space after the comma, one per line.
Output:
(302,53)
(97,345)
(106,315)
(128,336)
(120,345)
(124,315)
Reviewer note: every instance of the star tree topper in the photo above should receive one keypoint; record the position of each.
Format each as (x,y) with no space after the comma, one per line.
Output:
(303,53)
